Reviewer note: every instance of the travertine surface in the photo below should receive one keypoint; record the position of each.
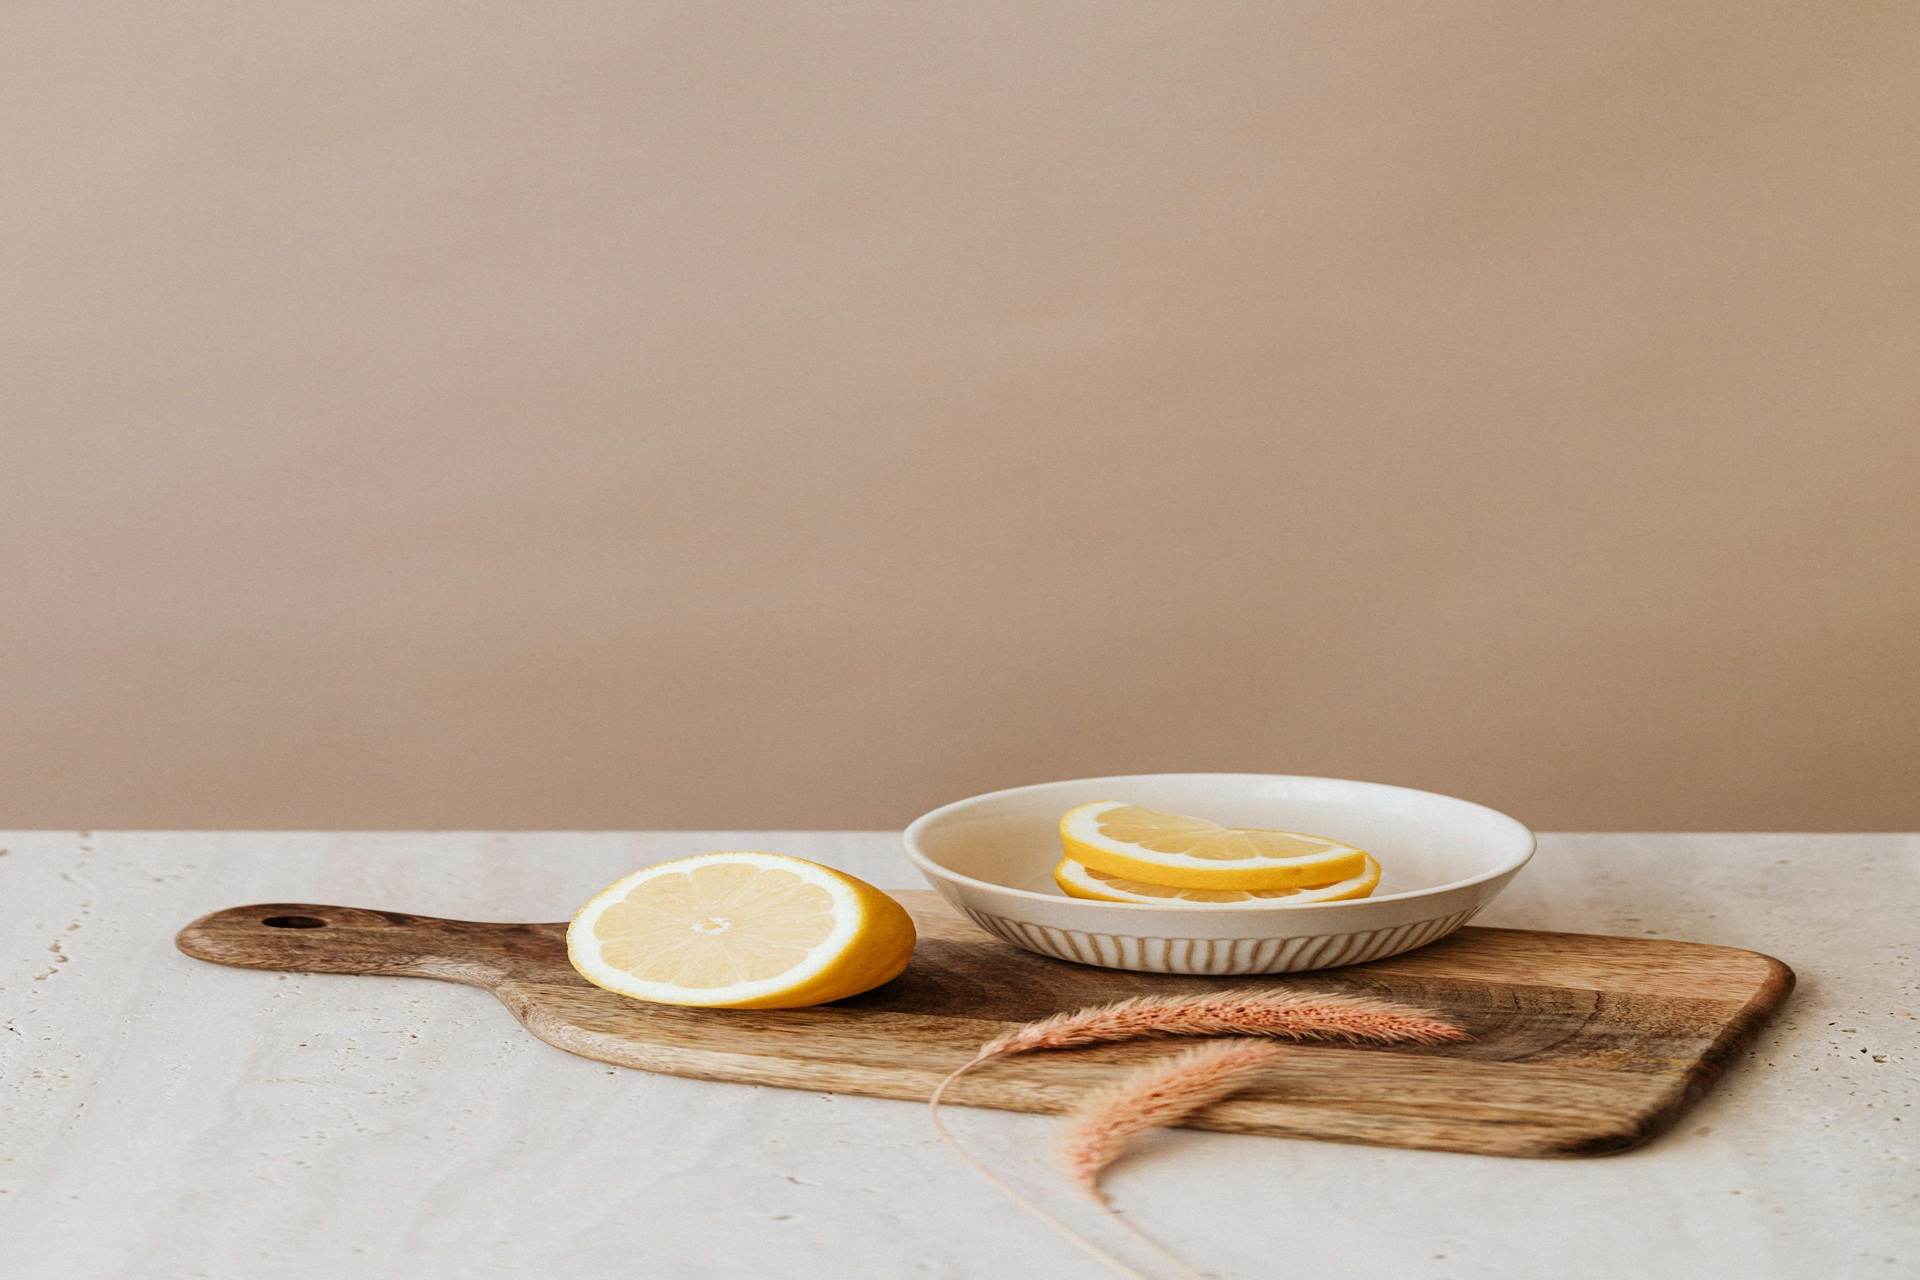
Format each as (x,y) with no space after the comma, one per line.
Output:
(163,1119)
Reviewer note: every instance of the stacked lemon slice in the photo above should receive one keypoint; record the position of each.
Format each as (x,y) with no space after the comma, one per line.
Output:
(1119,852)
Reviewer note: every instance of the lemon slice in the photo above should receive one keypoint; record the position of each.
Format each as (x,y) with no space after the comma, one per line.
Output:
(1192,853)
(1084,882)
(740,931)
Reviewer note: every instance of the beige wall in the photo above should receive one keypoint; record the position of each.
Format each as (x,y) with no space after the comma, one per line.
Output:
(713,414)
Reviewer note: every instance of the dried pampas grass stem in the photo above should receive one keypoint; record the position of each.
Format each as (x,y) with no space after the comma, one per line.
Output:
(1164,1092)
(1287,1015)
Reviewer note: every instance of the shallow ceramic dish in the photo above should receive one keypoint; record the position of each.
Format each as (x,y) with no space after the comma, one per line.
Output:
(1444,859)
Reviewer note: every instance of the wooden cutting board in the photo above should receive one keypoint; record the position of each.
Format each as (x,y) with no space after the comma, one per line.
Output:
(1583,1044)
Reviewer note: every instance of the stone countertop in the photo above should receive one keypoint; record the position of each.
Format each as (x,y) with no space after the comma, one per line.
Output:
(164,1119)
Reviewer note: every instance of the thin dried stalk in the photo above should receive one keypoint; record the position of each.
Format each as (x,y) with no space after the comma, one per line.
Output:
(1161,1093)
(1021,1198)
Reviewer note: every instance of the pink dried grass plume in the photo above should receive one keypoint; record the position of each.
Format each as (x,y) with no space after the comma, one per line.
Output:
(1161,1093)
(1164,1092)
(1288,1015)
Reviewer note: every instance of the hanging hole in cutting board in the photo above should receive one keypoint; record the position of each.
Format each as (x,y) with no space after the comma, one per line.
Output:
(294,922)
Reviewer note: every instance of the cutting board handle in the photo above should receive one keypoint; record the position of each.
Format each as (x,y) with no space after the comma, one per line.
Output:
(302,937)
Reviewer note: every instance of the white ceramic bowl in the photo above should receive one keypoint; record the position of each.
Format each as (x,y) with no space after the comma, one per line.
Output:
(1444,859)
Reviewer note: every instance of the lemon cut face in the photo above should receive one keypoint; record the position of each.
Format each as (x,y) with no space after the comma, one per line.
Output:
(740,930)
(1135,843)
(1079,881)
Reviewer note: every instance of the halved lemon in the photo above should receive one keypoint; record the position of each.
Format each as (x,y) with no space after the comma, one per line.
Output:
(1192,853)
(740,930)
(1084,882)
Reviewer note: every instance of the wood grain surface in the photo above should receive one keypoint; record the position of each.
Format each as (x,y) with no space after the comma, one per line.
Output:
(1583,1044)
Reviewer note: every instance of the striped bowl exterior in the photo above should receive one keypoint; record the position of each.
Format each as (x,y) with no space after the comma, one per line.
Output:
(1218,956)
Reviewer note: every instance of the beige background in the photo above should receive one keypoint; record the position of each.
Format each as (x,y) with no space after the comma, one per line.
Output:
(800,414)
